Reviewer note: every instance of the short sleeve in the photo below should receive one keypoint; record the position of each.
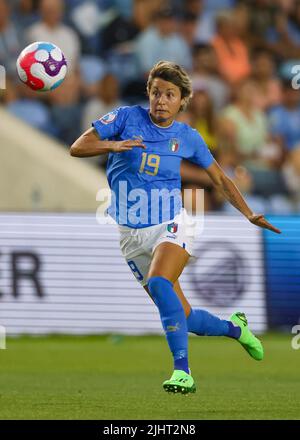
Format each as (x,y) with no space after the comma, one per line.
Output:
(111,124)
(200,152)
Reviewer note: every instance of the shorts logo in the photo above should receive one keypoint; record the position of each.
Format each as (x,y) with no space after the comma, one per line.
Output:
(108,118)
(174,145)
(172,227)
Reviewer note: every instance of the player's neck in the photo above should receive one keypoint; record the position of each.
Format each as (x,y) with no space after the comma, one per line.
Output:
(161,123)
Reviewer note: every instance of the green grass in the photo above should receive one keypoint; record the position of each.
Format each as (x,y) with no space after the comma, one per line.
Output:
(120,378)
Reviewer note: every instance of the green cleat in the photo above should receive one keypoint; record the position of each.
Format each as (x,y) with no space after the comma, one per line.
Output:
(247,339)
(180,382)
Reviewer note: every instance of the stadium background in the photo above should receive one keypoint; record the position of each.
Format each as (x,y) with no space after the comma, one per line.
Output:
(61,272)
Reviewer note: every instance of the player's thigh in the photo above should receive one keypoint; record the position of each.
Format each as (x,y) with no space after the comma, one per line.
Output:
(168,261)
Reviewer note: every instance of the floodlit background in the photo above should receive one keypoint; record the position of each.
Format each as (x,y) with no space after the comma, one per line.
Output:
(61,272)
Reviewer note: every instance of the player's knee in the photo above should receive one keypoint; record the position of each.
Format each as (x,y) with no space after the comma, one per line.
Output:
(161,289)
(156,283)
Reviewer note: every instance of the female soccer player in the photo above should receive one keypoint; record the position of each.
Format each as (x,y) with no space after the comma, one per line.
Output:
(145,149)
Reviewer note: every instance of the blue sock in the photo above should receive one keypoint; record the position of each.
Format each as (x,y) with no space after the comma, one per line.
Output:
(173,320)
(234,330)
(204,323)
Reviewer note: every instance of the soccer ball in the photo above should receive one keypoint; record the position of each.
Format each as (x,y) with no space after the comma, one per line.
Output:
(42,66)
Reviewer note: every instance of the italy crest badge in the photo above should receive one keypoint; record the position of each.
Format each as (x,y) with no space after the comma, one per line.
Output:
(174,145)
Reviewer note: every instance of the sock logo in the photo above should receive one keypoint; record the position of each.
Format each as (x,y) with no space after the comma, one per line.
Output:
(173,328)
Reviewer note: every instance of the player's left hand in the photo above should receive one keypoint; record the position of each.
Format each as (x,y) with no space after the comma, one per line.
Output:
(259,220)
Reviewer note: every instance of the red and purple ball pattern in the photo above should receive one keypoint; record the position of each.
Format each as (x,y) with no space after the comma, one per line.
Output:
(42,66)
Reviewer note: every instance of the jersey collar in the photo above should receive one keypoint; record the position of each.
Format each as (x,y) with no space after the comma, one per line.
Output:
(156,125)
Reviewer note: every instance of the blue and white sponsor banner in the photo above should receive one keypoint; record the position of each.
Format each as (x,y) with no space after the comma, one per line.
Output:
(282,271)
(66,274)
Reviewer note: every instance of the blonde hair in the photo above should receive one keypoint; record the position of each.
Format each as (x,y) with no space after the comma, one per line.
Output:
(175,74)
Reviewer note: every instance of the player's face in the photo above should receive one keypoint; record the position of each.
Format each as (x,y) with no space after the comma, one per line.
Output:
(165,101)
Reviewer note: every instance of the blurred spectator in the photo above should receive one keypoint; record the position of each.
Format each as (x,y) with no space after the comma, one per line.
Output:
(11,41)
(107,99)
(216,5)
(25,13)
(205,71)
(283,36)
(33,112)
(188,27)
(228,159)
(286,6)
(122,39)
(125,7)
(118,39)
(285,123)
(204,120)
(241,14)
(285,118)
(161,41)
(193,178)
(205,28)
(66,108)
(232,53)
(200,115)
(86,17)
(92,70)
(51,28)
(243,123)
(267,83)
(186,117)
(120,31)
(246,127)
(21,103)
(261,16)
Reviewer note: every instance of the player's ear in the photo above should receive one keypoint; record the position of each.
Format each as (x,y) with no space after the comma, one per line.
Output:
(183,103)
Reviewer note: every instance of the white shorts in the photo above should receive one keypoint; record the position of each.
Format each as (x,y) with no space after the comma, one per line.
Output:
(138,245)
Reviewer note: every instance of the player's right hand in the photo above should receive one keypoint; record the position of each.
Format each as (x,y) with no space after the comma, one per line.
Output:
(120,146)
(259,220)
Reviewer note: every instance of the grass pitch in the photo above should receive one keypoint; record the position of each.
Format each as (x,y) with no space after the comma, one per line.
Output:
(109,377)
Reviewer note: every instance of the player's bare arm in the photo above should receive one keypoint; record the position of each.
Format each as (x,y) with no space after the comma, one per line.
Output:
(89,144)
(231,193)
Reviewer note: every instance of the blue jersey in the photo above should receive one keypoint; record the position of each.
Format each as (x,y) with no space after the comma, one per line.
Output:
(146,183)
